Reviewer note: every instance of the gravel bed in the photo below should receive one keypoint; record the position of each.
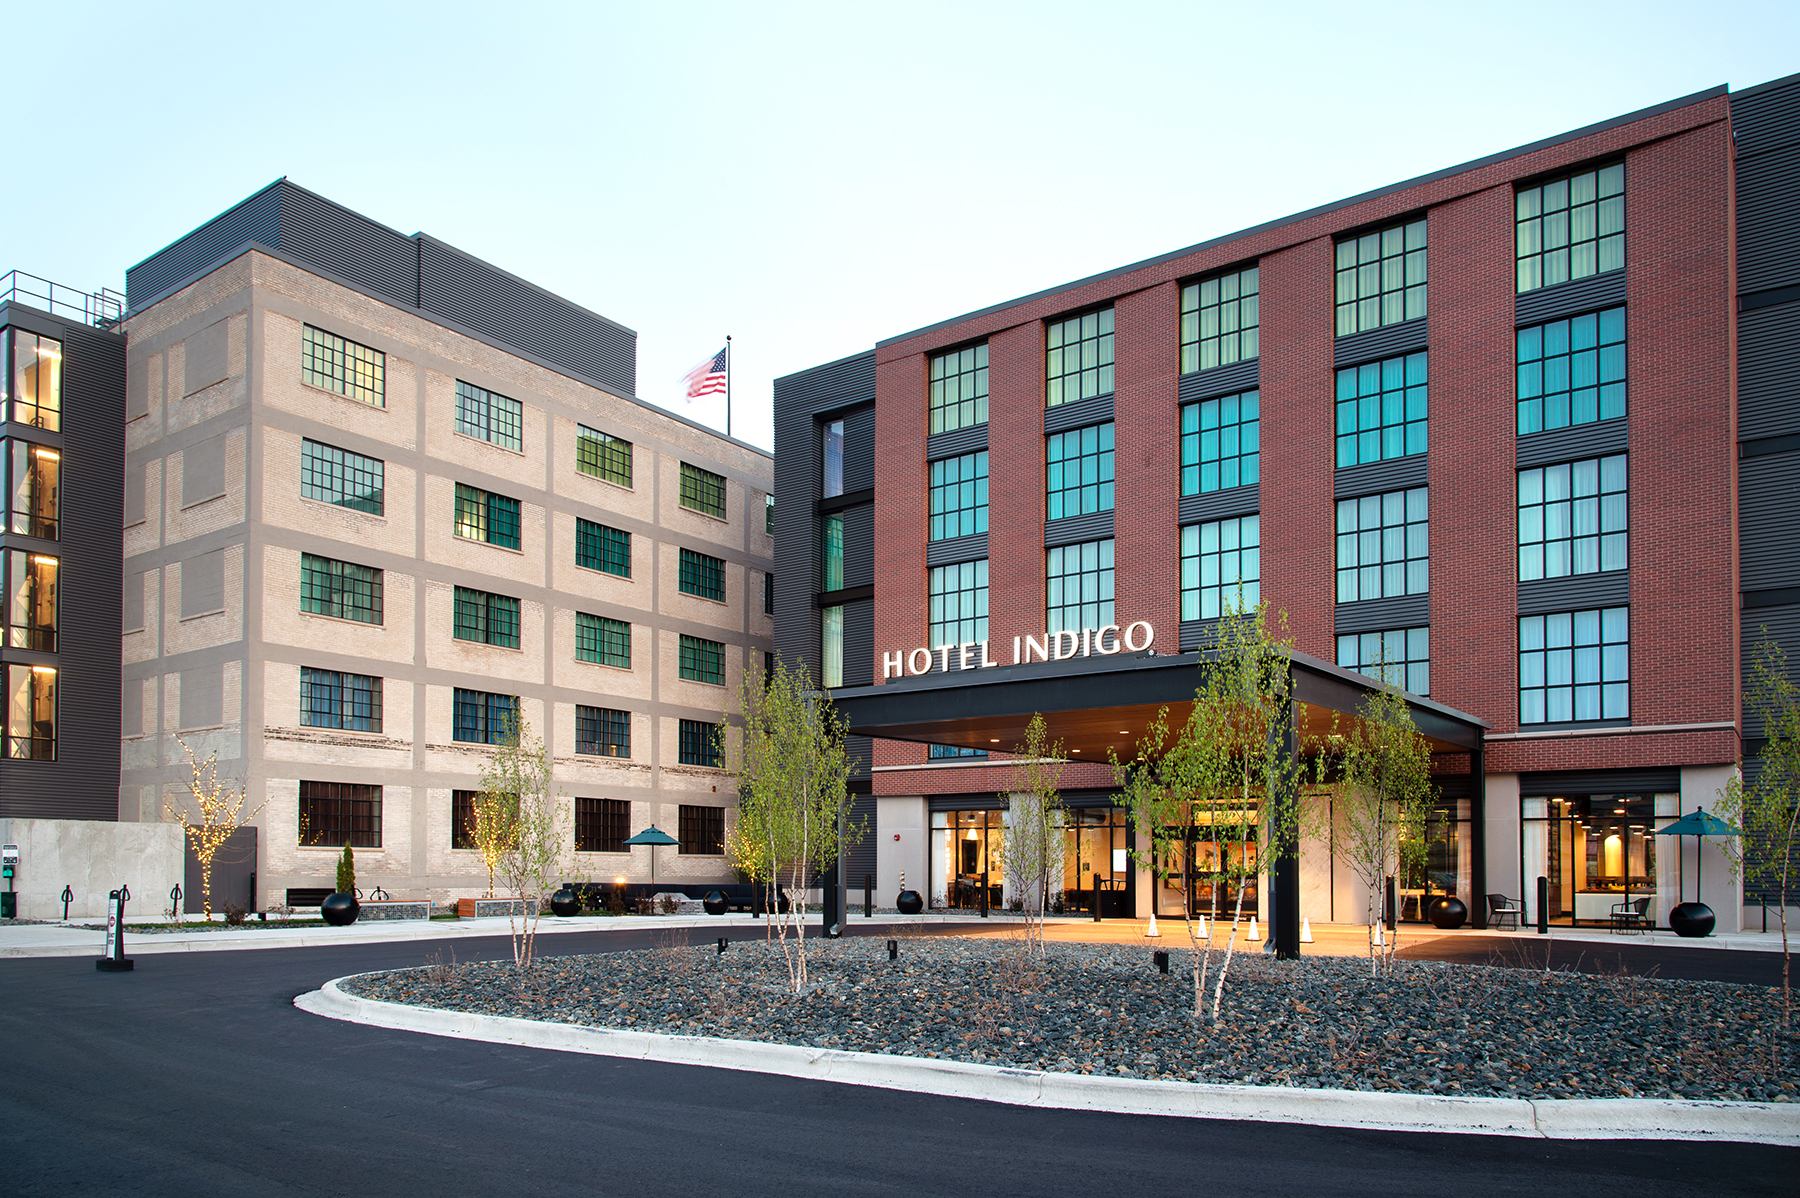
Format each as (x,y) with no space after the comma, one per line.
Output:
(1104,1009)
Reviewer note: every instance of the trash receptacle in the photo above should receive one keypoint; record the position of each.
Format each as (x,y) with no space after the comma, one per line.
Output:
(9,905)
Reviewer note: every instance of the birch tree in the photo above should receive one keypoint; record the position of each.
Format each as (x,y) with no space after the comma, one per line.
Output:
(793,795)
(1767,808)
(1032,844)
(212,811)
(520,771)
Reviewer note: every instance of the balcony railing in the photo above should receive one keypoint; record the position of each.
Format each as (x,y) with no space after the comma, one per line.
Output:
(102,309)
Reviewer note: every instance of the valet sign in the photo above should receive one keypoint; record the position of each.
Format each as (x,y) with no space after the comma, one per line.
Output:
(1052,646)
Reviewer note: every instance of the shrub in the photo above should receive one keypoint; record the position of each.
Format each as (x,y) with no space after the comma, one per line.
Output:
(646,906)
(670,904)
(234,914)
(615,903)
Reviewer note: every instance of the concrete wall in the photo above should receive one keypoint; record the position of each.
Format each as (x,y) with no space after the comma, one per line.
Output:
(1703,862)
(92,857)
(900,835)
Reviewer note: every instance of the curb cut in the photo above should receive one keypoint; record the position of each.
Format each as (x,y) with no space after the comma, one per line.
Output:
(1553,1119)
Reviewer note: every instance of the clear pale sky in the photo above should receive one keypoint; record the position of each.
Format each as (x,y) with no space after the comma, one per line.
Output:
(809,178)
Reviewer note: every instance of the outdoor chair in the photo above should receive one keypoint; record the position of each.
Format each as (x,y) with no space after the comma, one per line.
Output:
(1631,917)
(1502,908)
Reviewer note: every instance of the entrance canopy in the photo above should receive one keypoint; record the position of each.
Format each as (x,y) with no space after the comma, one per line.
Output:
(1095,704)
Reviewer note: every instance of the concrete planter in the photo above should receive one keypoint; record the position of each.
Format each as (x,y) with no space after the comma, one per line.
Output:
(484,908)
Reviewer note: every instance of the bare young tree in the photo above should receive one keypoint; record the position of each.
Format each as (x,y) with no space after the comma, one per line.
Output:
(520,768)
(1031,846)
(213,810)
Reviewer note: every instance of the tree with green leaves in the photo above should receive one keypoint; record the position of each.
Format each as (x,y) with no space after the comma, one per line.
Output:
(793,795)
(1031,848)
(1383,800)
(520,769)
(1767,805)
(1226,778)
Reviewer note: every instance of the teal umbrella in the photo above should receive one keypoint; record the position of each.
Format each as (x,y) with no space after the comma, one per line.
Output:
(1698,823)
(653,836)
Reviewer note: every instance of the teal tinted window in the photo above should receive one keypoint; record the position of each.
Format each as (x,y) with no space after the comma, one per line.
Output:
(1571,371)
(598,547)
(489,619)
(1399,657)
(341,589)
(1570,228)
(1078,471)
(702,660)
(702,490)
(1381,278)
(1383,546)
(831,553)
(1573,518)
(957,603)
(1220,443)
(1079,358)
(959,496)
(698,743)
(702,575)
(1575,665)
(959,389)
(333,475)
(1221,567)
(1381,410)
(1219,320)
(481,413)
(602,455)
(603,641)
(1079,586)
(485,516)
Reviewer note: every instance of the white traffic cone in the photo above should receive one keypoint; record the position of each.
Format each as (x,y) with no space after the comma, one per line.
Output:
(1152,933)
(1380,936)
(1306,931)
(1203,933)
(1254,934)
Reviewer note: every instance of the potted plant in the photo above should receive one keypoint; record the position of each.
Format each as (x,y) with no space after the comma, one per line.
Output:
(340,909)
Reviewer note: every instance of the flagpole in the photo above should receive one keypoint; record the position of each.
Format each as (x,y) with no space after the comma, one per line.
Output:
(728,384)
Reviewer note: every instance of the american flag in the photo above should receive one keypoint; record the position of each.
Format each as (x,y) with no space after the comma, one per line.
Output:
(707,377)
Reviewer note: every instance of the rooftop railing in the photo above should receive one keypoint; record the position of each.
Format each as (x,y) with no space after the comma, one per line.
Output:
(102,309)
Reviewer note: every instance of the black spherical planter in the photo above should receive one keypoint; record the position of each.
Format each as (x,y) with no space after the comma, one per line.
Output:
(564,903)
(910,902)
(339,910)
(1449,912)
(1692,919)
(715,902)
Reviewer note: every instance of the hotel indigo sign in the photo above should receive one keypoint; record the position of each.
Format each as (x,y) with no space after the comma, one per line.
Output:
(1052,646)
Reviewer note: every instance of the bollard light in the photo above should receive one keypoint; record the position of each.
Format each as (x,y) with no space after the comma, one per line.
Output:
(1162,960)
(893,950)
(722,943)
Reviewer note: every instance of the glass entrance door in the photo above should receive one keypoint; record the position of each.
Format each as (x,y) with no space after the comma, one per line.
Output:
(1095,852)
(1195,877)
(966,856)
(1600,858)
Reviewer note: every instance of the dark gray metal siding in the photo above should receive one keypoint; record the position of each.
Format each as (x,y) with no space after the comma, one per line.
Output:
(1768,521)
(860,749)
(1378,615)
(956,549)
(859,449)
(799,399)
(859,644)
(1782,626)
(416,272)
(1073,530)
(1578,592)
(1567,299)
(859,860)
(859,546)
(83,781)
(1079,414)
(1604,782)
(1219,505)
(1578,441)
(956,443)
(1384,342)
(1220,380)
(1395,474)
(1769,370)
(1767,220)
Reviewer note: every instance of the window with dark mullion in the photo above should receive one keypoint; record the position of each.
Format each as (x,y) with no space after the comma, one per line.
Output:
(480,717)
(598,547)
(489,619)
(337,476)
(702,831)
(602,455)
(702,660)
(702,490)
(488,416)
(702,575)
(485,516)
(602,640)
(602,732)
(340,813)
(330,699)
(341,589)
(698,743)
(602,825)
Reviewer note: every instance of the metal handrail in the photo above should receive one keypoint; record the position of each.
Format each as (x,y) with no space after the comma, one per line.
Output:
(102,309)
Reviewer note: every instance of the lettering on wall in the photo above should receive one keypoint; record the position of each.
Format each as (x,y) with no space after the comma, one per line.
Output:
(1063,645)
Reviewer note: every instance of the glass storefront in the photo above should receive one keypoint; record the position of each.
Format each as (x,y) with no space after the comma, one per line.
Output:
(1095,847)
(1598,853)
(1232,854)
(1445,872)
(966,855)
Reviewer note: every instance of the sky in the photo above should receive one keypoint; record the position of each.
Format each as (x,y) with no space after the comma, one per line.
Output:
(808,178)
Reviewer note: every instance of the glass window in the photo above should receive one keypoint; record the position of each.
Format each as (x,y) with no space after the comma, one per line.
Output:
(601,825)
(1220,443)
(1221,567)
(36,378)
(36,490)
(482,414)
(485,516)
(340,813)
(341,589)
(1218,321)
(702,490)
(1572,518)
(31,600)
(489,619)
(1079,358)
(831,553)
(1078,473)
(946,751)
(329,699)
(1381,278)
(482,718)
(337,476)
(1571,371)
(31,712)
(769,514)
(598,547)
(698,743)
(702,660)
(602,455)
(702,831)
(462,818)
(831,646)
(337,364)
(702,575)
(768,594)
(1575,665)
(959,389)
(1381,410)
(1571,228)
(833,482)
(602,640)
(1399,657)
(602,732)
(1079,590)
(959,496)
(958,603)
(1383,546)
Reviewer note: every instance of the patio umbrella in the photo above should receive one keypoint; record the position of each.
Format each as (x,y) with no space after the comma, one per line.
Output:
(652,836)
(1698,823)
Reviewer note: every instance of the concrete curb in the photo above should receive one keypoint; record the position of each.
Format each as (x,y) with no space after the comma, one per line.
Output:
(1554,1119)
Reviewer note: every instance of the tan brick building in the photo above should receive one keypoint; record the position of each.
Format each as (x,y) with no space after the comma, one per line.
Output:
(377,493)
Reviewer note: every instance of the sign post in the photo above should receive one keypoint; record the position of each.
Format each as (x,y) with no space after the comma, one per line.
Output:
(115,960)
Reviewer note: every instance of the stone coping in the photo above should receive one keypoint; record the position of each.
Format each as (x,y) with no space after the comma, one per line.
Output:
(1554,1119)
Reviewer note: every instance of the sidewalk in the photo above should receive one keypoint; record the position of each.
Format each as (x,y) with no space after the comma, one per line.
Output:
(74,940)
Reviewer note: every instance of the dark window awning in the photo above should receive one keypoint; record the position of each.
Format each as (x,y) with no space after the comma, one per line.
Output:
(1098,704)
